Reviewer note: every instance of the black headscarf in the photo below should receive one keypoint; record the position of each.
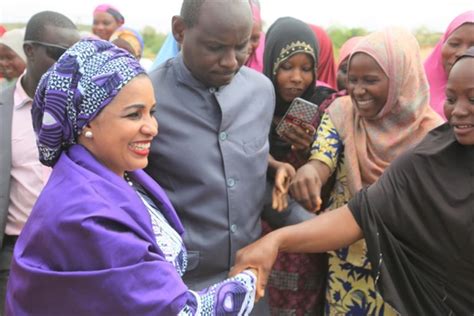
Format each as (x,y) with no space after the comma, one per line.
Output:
(418,222)
(286,37)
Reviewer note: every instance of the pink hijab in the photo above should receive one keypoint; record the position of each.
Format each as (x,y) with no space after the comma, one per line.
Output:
(437,76)
(326,64)
(255,61)
(370,145)
(346,49)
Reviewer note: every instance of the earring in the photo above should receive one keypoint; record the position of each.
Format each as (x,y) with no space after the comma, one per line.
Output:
(88,134)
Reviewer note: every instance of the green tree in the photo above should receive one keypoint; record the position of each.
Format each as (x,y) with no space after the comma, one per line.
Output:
(153,41)
(340,34)
(426,38)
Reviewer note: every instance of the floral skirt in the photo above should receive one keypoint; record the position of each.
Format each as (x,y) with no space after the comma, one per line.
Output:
(350,287)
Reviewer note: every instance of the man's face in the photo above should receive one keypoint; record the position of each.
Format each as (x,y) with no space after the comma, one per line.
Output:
(53,44)
(216,47)
(11,65)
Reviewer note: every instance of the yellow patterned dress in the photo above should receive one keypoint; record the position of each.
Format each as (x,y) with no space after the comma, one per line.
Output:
(350,288)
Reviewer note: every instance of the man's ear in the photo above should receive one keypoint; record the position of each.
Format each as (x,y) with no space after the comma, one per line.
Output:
(28,49)
(178,26)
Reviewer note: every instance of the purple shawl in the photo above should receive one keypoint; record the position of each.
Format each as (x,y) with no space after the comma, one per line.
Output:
(88,247)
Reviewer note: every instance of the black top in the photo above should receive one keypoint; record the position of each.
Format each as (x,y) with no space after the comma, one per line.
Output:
(418,222)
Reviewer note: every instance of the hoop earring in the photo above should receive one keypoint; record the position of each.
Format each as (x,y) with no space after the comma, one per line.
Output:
(88,134)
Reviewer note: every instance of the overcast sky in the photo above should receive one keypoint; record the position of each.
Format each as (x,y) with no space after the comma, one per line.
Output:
(369,14)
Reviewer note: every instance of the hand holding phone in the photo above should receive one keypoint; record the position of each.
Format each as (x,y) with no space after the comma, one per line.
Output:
(300,113)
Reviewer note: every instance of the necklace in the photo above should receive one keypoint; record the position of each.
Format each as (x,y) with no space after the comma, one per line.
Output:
(127,178)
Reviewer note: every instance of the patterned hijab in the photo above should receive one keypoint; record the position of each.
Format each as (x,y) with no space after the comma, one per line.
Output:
(74,90)
(371,145)
(286,37)
(434,69)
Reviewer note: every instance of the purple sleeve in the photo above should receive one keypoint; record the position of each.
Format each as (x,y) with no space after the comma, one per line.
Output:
(234,296)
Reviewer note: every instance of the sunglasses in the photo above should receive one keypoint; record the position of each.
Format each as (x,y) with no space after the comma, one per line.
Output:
(52,50)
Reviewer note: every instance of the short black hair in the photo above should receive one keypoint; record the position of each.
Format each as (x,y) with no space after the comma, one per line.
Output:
(38,22)
(190,10)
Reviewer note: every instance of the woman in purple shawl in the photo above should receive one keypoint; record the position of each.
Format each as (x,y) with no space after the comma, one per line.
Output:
(103,238)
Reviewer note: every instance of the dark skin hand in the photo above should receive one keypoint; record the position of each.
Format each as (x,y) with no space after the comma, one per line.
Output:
(332,230)
(284,173)
(306,185)
(300,138)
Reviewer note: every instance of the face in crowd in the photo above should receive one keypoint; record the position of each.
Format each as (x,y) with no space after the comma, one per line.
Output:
(341,75)
(216,47)
(123,130)
(459,105)
(367,85)
(254,37)
(43,54)
(104,25)
(457,43)
(294,76)
(11,64)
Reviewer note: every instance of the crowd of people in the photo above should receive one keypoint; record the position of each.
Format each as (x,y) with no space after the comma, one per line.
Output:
(172,192)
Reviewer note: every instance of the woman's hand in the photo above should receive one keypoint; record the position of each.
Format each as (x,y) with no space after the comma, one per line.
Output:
(283,176)
(260,257)
(306,187)
(300,138)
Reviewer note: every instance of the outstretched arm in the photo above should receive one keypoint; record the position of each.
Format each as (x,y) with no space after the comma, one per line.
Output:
(332,230)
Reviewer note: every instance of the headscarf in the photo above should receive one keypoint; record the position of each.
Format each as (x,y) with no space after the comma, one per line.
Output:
(326,63)
(346,49)
(14,40)
(113,11)
(370,145)
(437,76)
(74,90)
(132,37)
(286,37)
(255,60)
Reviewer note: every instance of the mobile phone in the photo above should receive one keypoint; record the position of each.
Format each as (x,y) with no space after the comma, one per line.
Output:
(300,113)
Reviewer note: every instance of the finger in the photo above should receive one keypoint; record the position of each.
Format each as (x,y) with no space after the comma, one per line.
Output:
(261,283)
(285,202)
(281,181)
(234,270)
(310,193)
(274,199)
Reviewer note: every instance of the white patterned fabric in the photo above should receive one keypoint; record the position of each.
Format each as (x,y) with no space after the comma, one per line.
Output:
(233,296)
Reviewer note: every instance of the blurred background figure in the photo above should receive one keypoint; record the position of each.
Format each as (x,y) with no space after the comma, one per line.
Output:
(12,56)
(130,40)
(257,39)
(107,19)
(344,53)
(22,177)
(459,36)
(326,64)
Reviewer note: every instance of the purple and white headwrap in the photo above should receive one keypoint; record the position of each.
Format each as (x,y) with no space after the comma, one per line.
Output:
(74,90)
